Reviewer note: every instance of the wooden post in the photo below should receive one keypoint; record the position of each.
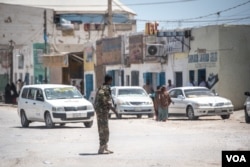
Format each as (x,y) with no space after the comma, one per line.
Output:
(110,22)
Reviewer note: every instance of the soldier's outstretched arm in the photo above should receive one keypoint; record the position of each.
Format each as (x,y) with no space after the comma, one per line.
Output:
(113,109)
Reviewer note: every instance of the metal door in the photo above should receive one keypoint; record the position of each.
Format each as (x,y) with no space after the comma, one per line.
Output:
(89,84)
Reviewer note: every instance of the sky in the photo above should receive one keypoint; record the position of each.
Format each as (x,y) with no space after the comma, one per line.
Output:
(173,14)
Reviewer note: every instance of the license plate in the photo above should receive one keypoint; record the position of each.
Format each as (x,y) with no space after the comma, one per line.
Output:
(77,115)
(137,109)
(218,111)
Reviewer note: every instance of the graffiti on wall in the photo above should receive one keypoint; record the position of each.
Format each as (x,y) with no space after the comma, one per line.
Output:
(135,49)
(212,80)
(204,60)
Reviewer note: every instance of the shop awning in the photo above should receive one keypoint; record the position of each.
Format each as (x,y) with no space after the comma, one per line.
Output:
(60,59)
(56,60)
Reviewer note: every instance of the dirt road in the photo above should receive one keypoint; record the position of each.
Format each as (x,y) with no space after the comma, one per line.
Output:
(135,142)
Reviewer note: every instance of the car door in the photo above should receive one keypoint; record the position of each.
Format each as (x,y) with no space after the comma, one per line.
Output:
(29,103)
(178,105)
(39,104)
(23,102)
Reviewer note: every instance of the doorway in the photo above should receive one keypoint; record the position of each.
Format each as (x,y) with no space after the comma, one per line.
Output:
(178,78)
(201,74)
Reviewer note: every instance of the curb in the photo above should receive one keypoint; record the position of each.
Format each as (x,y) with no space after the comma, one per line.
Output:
(8,105)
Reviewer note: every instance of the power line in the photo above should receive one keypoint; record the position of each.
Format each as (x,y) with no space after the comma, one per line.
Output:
(218,20)
(159,3)
(219,12)
(200,17)
(134,4)
(190,21)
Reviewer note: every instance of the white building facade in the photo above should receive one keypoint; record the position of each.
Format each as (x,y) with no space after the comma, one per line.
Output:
(66,29)
(21,43)
(219,54)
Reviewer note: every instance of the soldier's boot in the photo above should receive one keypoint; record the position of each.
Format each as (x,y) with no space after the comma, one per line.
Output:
(101,149)
(109,151)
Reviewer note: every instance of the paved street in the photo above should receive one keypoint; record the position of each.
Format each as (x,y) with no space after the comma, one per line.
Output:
(135,142)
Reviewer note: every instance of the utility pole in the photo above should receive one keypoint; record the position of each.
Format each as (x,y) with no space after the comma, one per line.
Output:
(110,22)
(45,42)
(11,45)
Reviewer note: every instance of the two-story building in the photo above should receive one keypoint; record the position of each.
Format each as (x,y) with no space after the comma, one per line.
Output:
(56,43)
(218,54)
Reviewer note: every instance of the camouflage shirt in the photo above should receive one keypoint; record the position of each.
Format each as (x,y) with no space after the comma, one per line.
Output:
(103,99)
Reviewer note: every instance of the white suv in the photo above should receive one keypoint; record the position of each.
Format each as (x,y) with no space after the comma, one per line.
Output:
(247,107)
(54,104)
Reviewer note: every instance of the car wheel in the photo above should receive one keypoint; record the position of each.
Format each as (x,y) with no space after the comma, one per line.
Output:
(150,115)
(247,117)
(139,115)
(225,116)
(24,121)
(88,124)
(190,113)
(48,121)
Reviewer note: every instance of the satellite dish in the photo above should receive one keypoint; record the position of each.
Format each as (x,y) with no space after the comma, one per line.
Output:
(152,50)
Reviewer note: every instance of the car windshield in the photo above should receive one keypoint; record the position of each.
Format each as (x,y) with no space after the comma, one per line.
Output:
(62,93)
(193,93)
(133,92)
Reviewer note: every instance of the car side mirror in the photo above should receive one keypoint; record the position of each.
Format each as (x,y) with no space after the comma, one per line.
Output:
(180,97)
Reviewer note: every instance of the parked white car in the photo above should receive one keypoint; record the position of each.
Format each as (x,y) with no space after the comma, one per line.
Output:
(54,104)
(195,102)
(132,100)
(247,107)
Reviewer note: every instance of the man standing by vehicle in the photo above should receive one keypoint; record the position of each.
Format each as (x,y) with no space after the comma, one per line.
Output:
(148,87)
(170,85)
(102,104)
(156,101)
(164,102)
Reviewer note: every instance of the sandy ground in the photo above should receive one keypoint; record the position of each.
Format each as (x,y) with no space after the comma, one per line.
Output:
(135,142)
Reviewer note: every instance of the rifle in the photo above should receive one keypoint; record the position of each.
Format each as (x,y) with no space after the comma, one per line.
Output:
(112,108)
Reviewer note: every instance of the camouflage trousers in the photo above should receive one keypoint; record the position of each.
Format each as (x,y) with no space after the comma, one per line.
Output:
(103,127)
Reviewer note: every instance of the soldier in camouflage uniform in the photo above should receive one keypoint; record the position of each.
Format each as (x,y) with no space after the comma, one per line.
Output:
(103,103)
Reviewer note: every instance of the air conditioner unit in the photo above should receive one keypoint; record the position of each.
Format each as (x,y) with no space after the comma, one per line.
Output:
(66,25)
(154,50)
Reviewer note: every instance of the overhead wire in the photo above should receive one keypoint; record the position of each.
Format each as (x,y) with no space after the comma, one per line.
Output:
(159,3)
(134,4)
(200,19)
(189,20)
(219,12)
